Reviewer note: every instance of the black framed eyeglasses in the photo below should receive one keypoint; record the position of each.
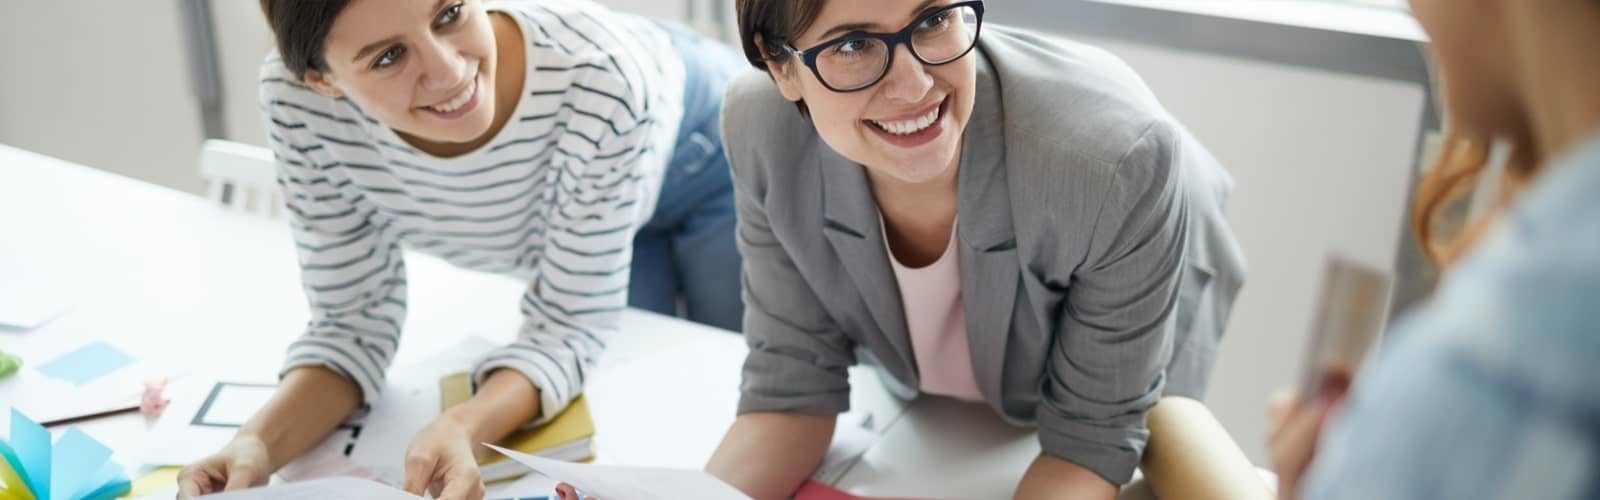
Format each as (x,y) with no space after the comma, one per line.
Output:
(860,60)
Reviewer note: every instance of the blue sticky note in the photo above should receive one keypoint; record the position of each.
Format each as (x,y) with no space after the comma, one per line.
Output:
(94,360)
(15,463)
(110,482)
(75,461)
(32,444)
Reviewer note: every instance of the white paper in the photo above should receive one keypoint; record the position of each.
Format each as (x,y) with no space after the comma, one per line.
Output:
(629,483)
(335,488)
(531,485)
(30,297)
(852,437)
(174,440)
(44,398)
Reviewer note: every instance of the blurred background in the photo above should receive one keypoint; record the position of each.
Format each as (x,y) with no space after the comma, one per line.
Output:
(1319,108)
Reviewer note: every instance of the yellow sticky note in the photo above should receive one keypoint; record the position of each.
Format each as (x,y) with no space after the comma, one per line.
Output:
(156,480)
(13,488)
(454,389)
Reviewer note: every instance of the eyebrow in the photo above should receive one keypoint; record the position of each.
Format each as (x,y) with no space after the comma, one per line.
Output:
(437,4)
(845,28)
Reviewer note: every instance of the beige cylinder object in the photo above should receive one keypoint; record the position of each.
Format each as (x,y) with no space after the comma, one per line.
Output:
(1191,457)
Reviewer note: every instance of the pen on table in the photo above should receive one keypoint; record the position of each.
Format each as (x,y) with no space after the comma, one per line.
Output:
(150,403)
(91,416)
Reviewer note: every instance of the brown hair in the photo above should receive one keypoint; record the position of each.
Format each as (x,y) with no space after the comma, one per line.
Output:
(301,29)
(1461,165)
(778,22)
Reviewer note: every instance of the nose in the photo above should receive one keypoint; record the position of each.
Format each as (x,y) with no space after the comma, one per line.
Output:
(907,80)
(443,68)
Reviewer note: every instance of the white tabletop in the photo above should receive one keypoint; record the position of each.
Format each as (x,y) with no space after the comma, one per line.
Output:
(176,279)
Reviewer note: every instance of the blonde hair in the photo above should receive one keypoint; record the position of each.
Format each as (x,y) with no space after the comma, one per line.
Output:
(1462,164)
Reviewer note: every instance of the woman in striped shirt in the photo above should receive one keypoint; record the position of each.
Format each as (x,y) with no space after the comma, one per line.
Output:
(558,142)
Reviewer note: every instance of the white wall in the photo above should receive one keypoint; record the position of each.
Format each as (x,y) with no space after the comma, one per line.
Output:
(1321,162)
(102,83)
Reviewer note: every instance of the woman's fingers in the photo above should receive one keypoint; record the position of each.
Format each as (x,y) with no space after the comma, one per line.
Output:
(419,472)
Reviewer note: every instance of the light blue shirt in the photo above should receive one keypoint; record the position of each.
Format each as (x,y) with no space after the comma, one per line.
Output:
(1492,390)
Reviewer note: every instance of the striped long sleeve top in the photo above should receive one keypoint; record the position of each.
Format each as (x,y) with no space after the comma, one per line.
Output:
(554,199)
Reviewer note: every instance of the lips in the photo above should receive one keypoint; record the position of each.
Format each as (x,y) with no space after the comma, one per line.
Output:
(914,129)
(459,100)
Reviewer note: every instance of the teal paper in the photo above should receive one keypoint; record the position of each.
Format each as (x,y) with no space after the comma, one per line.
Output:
(32,444)
(16,463)
(75,460)
(109,483)
(85,364)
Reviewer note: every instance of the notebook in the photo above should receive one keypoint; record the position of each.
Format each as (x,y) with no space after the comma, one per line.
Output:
(569,437)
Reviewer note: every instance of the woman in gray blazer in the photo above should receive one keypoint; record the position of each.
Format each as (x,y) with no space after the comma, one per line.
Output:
(1079,224)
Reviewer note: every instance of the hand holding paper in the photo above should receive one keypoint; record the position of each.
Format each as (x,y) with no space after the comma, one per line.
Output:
(630,483)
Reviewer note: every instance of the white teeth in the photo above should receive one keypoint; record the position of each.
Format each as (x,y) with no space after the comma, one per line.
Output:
(909,127)
(458,101)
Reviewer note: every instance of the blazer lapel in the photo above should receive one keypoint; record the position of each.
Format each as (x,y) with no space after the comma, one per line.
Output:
(990,269)
(851,225)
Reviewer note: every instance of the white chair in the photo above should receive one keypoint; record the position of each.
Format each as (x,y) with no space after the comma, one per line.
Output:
(241,177)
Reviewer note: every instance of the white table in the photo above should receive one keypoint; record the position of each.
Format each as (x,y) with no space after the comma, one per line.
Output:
(171,276)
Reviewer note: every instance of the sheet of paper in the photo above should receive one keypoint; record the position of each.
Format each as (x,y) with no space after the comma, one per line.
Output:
(377,442)
(534,486)
(630,483)
(852,437)
(75,461)
(175,439)
(31,443)
(49,388)
(334,488)
(86,364)
(29,301)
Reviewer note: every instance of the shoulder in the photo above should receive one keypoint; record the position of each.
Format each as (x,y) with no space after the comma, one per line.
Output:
(1521,305)
(760,126)
(288,104)
(591,48)
(1067,100)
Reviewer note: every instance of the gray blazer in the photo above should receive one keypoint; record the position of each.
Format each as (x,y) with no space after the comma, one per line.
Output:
(1093,248)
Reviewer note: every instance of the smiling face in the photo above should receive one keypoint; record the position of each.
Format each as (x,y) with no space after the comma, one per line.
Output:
(422,67)
(907,126)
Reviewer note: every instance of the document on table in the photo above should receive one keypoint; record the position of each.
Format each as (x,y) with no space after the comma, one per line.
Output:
(333,488)
(629,483)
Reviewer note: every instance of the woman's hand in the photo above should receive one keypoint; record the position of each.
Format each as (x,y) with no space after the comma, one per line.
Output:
(1297,426)
(440,461)
(243,463)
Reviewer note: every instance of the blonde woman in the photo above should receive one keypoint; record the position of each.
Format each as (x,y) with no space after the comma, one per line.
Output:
(1488,391)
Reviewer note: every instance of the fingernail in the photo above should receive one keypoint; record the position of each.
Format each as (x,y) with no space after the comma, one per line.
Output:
(561,493)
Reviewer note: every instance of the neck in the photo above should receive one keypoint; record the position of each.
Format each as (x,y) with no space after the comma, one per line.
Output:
(1559,76)
(922,202)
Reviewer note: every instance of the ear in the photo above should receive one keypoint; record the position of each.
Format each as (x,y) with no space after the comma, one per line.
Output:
(783,73)
(322,83)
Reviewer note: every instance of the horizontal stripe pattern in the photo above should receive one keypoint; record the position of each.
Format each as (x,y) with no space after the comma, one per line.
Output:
(554,199)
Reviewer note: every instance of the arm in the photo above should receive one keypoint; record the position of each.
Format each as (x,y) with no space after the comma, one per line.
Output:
(309,404)
(795,376)
(1114,334)
(746,457)
(1051,477)
(354,281)
(605,166)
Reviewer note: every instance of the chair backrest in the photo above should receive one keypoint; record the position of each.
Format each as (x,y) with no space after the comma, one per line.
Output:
(241,177)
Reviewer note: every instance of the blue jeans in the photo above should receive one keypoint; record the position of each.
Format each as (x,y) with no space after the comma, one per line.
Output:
(687,250)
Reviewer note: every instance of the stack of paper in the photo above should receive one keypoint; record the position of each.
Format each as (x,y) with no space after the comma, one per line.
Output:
(569,438)
(76,467)
(630,483)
